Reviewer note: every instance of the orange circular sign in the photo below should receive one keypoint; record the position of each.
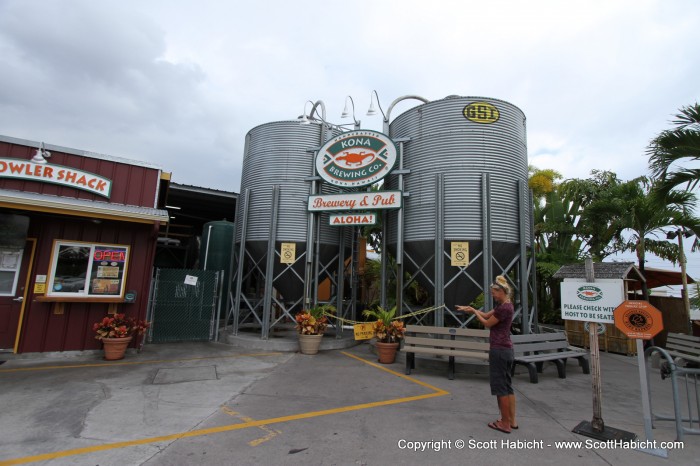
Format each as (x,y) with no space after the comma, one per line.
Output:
(638,319)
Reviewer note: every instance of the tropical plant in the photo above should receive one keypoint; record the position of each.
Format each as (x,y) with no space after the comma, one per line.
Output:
(555,238)
(387,329)
(673,147)
(119,326)
(314,320)
(599,235)
(638,210)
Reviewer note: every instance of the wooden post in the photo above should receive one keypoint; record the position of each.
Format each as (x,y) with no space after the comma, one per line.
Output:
(597,423)
(596,428)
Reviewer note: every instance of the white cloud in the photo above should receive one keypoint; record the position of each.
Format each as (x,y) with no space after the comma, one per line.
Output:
(172,81)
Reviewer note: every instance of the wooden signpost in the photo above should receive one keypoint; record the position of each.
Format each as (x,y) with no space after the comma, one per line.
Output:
(597,428)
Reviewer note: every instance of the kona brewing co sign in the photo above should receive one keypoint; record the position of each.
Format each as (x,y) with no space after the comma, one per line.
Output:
(356,158)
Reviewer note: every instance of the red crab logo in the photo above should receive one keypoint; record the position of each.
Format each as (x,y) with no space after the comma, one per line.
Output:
(355,158)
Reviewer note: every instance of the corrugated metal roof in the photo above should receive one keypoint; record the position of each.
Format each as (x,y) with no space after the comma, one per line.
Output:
(82,153)
(81,207)
(203,190)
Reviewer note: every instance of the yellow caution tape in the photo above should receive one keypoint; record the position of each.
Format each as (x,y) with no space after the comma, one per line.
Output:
(412,314)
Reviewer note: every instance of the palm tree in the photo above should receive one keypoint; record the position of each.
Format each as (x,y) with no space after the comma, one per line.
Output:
(636,208)
(675,146)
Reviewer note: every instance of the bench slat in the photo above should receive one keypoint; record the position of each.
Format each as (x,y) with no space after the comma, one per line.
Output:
(446,343)
(548,356)
(683,348)
(684,356)
(543,346)
(447,352)
(464,332)
(538,337)
(683,337)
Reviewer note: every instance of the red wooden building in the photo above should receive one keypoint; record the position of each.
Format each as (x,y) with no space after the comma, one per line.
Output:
(78,234)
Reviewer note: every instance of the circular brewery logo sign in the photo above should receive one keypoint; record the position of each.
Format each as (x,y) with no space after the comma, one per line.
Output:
(356,158)
(638,319)
(589,293)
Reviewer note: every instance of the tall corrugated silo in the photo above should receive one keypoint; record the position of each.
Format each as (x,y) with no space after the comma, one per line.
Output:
(275,184)
(466,159)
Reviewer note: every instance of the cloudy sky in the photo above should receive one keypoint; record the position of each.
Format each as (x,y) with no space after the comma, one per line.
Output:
(180,82)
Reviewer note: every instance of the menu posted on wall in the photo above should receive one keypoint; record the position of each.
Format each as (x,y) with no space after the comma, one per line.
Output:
(108,266)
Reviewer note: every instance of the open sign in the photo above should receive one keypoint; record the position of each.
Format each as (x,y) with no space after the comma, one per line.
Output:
(110,255)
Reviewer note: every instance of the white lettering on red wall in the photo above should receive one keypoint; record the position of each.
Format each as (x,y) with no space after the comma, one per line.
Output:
(57,174)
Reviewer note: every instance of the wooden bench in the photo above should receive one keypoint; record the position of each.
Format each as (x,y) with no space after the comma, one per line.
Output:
(445,341)
(681,358)
(683,348)
(533,350)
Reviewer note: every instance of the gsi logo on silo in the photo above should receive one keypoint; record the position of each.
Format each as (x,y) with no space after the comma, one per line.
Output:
(481,112)
(356,158)
(589,293)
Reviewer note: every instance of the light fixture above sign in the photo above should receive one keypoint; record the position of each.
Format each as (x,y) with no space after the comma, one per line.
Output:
(41,154)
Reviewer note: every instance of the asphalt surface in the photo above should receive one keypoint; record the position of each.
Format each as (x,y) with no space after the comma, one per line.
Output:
(213,404)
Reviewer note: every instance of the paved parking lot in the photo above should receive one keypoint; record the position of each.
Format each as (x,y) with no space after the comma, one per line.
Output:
(207,403)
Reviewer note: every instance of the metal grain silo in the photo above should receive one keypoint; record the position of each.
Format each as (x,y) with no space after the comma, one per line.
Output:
(275,184)
(466,181)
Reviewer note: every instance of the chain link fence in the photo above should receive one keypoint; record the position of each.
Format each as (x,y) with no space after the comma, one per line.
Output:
(184,306)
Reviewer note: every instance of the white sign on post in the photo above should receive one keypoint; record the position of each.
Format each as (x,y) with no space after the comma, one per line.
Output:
(190,280)
(591,302)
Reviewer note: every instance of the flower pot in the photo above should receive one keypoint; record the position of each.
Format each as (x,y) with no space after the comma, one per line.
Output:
(115,348)
(387,352)
(309,344)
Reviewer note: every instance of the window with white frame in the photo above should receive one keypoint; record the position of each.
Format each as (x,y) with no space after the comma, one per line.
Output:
(10,263)
(87,269)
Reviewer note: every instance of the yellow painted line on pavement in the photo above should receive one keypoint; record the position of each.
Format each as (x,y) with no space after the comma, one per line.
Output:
(440,391)
(271,433)
(231,427)
(133,363)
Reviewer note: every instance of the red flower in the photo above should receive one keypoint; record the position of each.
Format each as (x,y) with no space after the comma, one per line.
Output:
(119,326)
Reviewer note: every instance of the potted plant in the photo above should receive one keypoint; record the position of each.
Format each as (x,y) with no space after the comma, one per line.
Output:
(116,333)
(388,332)
(310,324)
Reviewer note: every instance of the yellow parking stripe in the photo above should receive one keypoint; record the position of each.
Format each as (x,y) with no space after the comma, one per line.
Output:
(231,427)
(384,368)
(271,433)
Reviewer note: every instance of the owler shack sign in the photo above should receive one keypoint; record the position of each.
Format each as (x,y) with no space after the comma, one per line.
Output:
(356,158)
(56,174)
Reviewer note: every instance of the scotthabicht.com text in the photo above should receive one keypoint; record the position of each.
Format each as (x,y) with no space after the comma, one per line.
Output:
(588,444)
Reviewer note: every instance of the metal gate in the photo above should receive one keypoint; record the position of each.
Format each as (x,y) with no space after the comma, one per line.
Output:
(184,306)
